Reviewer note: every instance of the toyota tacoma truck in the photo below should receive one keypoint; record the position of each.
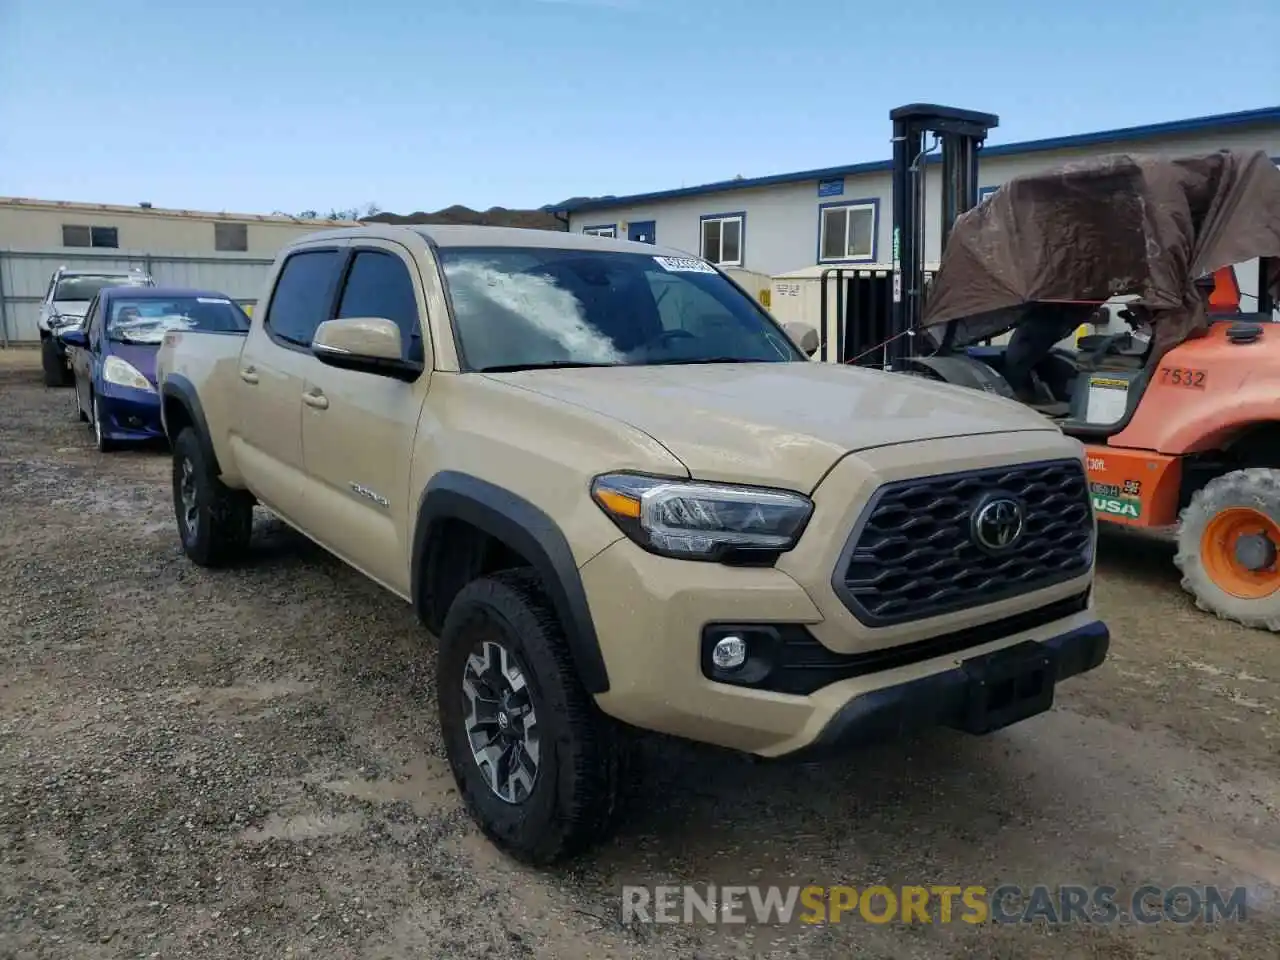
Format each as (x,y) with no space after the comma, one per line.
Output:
(622,496)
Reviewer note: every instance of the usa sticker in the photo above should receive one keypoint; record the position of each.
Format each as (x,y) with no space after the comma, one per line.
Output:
(684,265)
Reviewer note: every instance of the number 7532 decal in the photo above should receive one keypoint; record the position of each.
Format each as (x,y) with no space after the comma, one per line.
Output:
(1182,377)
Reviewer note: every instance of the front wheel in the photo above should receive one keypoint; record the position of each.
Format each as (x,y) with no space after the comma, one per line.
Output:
(104,443)
(1229,544)
(53,367)
(539,767)
(214,522)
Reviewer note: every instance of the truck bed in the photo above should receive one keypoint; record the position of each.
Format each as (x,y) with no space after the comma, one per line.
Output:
(204,363)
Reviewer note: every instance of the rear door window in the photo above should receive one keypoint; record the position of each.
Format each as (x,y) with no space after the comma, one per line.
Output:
(303,297)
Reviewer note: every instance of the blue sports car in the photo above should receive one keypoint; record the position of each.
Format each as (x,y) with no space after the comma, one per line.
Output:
(113,355)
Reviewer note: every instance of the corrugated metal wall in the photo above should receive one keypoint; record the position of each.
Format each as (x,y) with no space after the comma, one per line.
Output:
(24,279)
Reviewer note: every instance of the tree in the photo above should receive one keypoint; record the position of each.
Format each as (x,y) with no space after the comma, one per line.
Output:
(350,213)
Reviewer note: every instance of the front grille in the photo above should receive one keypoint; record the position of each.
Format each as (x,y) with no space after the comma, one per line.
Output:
(912,554)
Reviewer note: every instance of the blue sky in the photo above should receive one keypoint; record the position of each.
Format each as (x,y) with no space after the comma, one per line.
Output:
(280,104)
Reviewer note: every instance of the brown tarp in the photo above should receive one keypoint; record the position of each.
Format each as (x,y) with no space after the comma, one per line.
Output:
(1109,226)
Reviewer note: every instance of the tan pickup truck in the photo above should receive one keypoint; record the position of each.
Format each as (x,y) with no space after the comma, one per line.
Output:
(622,496)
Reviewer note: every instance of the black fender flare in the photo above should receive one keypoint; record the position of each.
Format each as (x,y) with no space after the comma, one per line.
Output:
(525,528)
(182,391)
(964,371)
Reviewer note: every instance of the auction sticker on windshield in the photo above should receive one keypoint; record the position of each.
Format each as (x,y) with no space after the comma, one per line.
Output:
(684,265)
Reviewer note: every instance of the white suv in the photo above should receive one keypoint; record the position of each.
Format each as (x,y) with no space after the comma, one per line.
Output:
(65,304)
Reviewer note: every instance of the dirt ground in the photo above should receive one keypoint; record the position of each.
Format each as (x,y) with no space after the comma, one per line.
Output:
(246,764)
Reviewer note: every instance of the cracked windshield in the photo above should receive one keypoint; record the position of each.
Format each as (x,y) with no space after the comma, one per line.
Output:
(526,308)
(147,320)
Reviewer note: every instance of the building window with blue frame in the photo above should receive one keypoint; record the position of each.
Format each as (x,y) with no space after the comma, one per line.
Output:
(984,192)
(846,231)
(722,238)
(602,230)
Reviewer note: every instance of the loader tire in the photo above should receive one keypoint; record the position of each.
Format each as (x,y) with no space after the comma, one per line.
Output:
(1229,547)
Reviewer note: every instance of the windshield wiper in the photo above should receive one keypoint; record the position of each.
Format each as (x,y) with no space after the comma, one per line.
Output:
(550,364)
(683,360)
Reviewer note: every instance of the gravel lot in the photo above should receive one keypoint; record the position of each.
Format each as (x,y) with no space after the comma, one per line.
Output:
(246,764)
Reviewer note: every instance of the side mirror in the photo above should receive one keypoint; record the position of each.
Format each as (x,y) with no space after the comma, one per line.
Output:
(74,338)
(365,344)
(805,336)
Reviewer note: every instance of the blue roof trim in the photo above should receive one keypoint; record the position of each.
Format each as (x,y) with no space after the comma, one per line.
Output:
(1143,132)
(160,293)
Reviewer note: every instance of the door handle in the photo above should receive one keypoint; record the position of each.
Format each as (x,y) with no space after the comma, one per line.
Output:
(317,400)
(249,374)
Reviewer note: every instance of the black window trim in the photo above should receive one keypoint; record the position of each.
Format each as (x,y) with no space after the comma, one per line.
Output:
(92,315)
(437,259)
(276,338)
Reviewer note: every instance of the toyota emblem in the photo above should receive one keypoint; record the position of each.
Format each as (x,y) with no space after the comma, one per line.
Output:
(997,523)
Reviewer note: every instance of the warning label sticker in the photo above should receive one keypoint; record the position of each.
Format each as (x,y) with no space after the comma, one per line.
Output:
(684,265)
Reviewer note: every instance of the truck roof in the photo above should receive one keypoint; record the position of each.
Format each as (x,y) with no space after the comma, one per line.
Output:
(466,235)
(105,272)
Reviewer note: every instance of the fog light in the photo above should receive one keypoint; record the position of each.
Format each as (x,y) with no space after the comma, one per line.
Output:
(729,653)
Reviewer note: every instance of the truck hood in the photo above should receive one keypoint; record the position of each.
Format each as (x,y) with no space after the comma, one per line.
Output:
(782,424)
(71,308)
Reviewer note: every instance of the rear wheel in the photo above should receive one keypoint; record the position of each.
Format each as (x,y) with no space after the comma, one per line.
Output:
(1229,547)
(215,522)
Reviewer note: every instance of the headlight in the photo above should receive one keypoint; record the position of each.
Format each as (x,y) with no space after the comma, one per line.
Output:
(703,521)
(117,371)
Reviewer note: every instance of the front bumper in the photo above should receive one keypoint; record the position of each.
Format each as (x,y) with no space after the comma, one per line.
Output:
(981,695)
(650,614)
(129,414)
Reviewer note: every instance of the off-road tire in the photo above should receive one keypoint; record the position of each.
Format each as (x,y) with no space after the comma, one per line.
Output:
(224,517)
(584,763)
(52,366)
(1257,488)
